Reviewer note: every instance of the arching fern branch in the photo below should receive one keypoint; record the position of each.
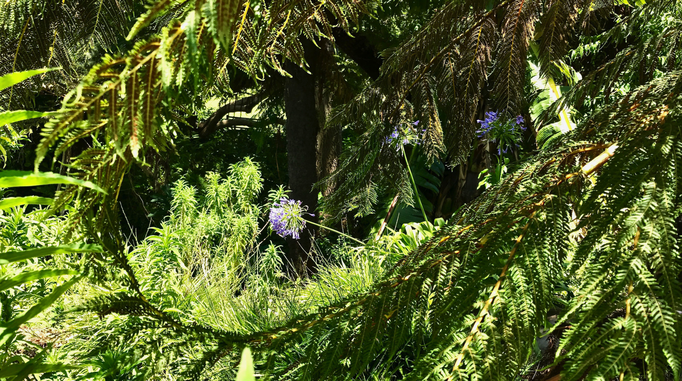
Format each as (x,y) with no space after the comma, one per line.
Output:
(480,292)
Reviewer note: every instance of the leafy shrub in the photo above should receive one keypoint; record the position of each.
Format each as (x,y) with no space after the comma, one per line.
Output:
(206,241)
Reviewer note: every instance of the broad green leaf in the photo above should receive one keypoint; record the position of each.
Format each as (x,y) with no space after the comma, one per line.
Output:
(12,79)
(32,179)
(15,256)
(8,117)
(246,371)
(9,327)
(33,275)
(11,202)
(32,368)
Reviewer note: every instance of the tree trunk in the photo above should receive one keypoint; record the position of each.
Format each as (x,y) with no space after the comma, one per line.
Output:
(328,138)
(302,126)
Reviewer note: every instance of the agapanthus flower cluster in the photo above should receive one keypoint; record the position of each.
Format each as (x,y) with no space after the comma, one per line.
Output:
(286,217)
(405,134)
(507,133)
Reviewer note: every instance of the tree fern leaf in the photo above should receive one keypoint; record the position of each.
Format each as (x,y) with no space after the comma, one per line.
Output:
(433,138)
(554,31)
(131,116)
(222,16)
(621,349)
(655,360)
(616,342)
(510,68)
(663,317)
(155,9)
(151,96)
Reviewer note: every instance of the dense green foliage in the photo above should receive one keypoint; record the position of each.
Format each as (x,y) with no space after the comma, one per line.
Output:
(562,262)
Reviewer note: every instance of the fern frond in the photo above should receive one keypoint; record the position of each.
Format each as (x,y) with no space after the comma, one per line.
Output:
(510,69)
(222,16)
(554,30)
(155,9)
(51,40)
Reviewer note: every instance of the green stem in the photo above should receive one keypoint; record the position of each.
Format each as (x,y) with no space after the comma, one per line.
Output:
(336,231)
(414,184)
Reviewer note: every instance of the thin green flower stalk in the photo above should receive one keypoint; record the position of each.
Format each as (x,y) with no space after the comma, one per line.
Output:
(337,232)
(414,184)
(400,136)
(286,219)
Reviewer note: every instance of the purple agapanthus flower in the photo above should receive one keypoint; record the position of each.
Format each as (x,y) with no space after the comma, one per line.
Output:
(487,124)
(286,217)
(421,136)
(393,136)
(505,132)
(404,135)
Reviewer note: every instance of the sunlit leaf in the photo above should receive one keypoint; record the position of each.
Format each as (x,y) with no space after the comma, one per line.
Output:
(16,256)
(8,117)
(31,179)
(246,371)
(31,276)
(12,79)
(11,202)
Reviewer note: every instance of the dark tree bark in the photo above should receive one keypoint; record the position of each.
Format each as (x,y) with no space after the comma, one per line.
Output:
(329,138)
(328,153)
(302,126)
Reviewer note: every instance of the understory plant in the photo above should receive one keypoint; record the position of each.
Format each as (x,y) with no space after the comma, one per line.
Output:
(504,132)
(209,236)
(202,269)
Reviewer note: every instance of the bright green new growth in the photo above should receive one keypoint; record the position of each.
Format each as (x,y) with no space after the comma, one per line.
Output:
(206,242)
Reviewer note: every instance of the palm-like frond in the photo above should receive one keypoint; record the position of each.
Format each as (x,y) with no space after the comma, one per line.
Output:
(509,77)
(476,55)
(639,57)
(442,70)
(267,36)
